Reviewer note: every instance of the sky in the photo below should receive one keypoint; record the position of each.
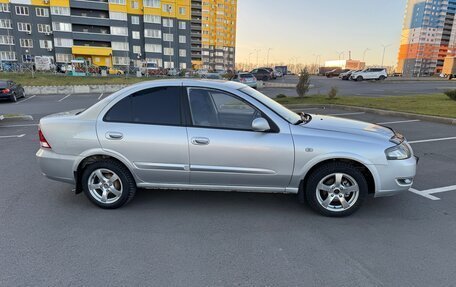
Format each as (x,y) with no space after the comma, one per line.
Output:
(303,29)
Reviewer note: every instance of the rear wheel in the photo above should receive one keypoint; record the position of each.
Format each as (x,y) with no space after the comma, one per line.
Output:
(336,189)
(381,78)
(108,184)
(359,78)
(13,98)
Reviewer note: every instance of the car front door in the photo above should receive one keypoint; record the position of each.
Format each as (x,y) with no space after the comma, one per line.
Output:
(224,150)
(146,129)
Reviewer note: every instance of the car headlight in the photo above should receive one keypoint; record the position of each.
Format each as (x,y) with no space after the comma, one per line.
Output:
(398,152)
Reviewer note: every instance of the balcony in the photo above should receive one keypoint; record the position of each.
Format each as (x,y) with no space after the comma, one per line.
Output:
(91,50)
(90,5)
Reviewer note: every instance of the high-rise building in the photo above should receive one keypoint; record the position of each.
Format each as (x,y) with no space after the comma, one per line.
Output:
(428,36)
(170,33)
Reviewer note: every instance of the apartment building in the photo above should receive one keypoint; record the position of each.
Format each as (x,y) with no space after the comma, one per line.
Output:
(117,32)
(428,36)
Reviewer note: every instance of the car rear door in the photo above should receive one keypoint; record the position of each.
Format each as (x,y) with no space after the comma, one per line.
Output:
(146,128)
(224,150)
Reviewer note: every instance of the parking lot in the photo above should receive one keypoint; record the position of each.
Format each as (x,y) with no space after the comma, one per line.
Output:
(51,237)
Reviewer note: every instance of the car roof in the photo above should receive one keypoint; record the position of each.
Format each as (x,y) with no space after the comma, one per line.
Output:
(221,84)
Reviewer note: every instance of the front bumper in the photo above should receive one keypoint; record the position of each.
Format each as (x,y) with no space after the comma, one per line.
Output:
(395,177)
(56,166)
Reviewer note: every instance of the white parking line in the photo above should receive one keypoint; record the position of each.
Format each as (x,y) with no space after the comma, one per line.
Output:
(432,140)
(429,192)
(307,109)
(347,114)
(64,97)
(19,126)
(13,136)
(398,122)
(26,99)
(101,95)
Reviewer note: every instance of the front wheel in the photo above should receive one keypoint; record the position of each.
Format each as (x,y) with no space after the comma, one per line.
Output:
(13,98)
(108,184)
(381,78)
(359,78)
(336,189)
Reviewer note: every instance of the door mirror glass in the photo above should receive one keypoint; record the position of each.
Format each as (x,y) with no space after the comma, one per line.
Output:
(260,125)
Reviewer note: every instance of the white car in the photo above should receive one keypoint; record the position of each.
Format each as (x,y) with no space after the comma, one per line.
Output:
(370,74)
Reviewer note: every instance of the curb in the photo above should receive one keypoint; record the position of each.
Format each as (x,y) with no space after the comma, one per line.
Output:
(435,119)
(19,117)
(73,89)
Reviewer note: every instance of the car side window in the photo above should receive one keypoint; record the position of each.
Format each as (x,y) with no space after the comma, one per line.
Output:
(156,106)
(255,71)
(216,109)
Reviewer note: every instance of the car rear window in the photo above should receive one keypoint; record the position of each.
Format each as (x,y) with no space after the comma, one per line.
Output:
(244,76)
(158,106)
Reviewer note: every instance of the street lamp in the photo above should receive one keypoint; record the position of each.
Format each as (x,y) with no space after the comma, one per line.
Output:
(267,60)
(364,53)
(341,53)
(384,50)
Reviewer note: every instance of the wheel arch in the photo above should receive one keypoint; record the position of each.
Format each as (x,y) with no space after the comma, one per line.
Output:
(365,170)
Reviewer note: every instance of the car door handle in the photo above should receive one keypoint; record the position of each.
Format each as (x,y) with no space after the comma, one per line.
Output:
(114,135)
(200,141)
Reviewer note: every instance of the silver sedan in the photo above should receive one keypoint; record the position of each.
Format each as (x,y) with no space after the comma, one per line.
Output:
(220,136)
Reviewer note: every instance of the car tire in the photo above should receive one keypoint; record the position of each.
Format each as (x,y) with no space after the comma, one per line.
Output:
(359,78)
(324,192)
(381,78)
(13,98)
(96,182)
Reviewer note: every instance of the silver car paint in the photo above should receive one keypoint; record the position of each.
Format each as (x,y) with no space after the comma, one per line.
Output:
(233,160)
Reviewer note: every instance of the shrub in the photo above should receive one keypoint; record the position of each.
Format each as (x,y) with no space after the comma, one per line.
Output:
(304,83)
(451,94)
(281,96)
(332,94)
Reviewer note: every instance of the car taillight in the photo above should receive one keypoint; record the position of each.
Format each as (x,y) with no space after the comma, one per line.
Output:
(242,80)
(6,91)
(43,142)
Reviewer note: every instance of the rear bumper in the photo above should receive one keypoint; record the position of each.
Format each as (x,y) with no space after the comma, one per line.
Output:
(395,177)
(5,96)
(56,166)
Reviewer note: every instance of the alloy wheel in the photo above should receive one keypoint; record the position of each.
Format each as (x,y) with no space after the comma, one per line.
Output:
(337,192)
(105,186)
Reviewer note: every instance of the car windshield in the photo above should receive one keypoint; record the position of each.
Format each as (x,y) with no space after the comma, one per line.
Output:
(3,84)
(285,113)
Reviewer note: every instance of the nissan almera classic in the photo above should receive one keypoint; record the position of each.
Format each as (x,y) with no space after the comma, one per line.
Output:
(220,136)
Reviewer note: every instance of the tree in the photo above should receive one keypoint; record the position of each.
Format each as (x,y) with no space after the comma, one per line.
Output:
(303,83)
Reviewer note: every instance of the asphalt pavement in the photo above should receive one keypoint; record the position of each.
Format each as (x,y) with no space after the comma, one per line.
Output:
(51,237)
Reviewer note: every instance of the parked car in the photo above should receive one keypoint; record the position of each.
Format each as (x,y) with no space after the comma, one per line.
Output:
(115,71)
(262,74)
(172,72)
(11,91)
(346,75)
(370,74)
(213,76)
(277,73)
(246,78)
(220,136)
(335,72)
(202,72)
(149,68)
(271,71)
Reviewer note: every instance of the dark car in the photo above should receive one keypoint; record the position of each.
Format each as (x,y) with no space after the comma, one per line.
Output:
(262,74)
(10,90)
(336,72)
(273,76)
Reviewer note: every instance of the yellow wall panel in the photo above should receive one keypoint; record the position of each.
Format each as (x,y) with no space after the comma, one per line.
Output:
(61,3)
(117,8)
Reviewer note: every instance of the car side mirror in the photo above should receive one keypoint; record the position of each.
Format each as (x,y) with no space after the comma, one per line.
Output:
(260,125)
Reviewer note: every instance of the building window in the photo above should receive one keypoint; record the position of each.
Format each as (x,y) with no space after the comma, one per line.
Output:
(135,35)
(168,8)
(169,65)
(134,4)
(152,19)
(42,12)
(120,46)
(63,58)
(45,44)
(123,61)
(151,3)
(135,20)
(22,10)
(137,49)
(182,39)
(182,66)
(152,33)
(168,37)
(26,43)
(44,28)
(168,51)
(64,27)
(58,10)
(118,16)
(168,23)
(182,10)
(153,48)
(24,27)
(7,56)
(4,7)
(62,42)
(5,24)
(6,40)
(121,31)
(182,25)
(182,53)
(120,2)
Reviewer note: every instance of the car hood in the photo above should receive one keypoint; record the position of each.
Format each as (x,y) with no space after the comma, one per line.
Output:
(341,125)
